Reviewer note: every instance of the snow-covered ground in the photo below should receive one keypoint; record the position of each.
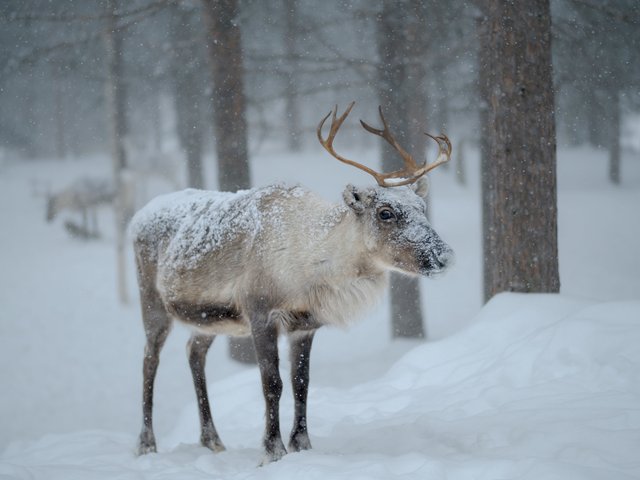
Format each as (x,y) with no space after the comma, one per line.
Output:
(536,386)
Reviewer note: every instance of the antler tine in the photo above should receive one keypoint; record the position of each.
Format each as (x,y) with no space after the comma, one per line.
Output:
(336,123)
(409,174)
(444,150)
(388,136)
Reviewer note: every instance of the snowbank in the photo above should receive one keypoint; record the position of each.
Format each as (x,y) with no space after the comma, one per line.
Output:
(541,386)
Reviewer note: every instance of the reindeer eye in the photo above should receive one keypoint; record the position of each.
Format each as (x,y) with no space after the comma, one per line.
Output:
(386,214)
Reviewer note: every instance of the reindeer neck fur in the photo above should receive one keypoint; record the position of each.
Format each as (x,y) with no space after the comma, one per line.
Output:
(343,278)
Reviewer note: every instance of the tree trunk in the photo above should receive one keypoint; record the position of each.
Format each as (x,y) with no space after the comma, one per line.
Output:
(60,123)
(519,168)
(483,86)
(614,139)
(116,107)
(595,120)
(229,104)
(292,107)
(226,61)
(401,81)
(460,163)
(189,96)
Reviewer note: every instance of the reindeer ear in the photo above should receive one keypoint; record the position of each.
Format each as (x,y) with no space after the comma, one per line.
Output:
(421,187)
(355,198)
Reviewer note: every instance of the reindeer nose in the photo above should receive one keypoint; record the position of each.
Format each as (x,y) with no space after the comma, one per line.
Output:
(437,260)
(444,258)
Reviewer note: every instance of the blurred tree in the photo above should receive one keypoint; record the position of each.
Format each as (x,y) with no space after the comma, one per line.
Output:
(401,41)
(594,84)
(118,129)
(292,104)
(188,90)
(519,161)
(229,109)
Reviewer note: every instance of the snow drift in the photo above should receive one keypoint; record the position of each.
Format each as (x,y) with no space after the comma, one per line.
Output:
(540,386)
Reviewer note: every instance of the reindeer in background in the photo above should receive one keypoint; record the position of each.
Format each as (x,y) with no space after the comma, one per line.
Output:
(277,260)
(84,196)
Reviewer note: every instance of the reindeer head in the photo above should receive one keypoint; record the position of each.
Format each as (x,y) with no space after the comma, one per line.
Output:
(393,214)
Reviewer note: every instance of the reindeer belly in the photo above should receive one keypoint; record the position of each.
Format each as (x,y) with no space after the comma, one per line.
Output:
(211,318)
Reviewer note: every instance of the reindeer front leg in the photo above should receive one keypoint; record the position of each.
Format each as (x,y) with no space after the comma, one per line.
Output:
(299,352)
(265,340)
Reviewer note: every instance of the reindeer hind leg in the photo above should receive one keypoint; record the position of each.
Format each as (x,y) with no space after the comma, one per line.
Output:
(157,325)
(197,349)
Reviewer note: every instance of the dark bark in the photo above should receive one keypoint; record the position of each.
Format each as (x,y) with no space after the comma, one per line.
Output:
(229,105)
(482,27)
(400,42)
(519,164)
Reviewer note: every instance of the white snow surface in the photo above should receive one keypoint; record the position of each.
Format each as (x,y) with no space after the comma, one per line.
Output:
(528,386)
(540,386)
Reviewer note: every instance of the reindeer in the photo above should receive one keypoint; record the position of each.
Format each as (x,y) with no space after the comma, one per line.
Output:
(84,196)
(276,260)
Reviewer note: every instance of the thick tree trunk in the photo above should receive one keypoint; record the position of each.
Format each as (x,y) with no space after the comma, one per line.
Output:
(519,168)
(189,96)
(401,79)
(116,107)
(229,105)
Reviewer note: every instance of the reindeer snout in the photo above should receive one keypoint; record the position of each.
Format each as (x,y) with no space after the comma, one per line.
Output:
(437,260)
(444,258)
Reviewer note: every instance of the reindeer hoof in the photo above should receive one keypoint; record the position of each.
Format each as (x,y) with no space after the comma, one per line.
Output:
(146,444)
(274,451)
(214,444)
(299,441)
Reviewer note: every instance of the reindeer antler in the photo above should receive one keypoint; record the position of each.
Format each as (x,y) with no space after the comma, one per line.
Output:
(411,171)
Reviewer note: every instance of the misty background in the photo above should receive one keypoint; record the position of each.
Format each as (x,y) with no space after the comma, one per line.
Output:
(300,58)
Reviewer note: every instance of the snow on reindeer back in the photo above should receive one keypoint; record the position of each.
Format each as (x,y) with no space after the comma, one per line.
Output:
(197,222)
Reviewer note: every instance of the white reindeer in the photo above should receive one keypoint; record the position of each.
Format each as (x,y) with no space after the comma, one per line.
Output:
(276,260)
(84,195)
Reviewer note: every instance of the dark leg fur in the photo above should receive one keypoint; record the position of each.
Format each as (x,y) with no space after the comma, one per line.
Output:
(265,339)
(147,441)
(299,352)
(157,325)
(197,349)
